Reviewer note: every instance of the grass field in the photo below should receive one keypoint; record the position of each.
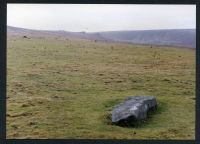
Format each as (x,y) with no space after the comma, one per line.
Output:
(66,88)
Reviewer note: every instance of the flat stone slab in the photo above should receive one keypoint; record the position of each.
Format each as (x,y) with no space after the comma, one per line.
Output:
(134,107)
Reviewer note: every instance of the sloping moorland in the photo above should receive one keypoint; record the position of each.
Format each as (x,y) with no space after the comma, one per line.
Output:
(60,87)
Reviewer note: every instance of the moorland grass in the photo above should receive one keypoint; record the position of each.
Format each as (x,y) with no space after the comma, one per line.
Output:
(66,88)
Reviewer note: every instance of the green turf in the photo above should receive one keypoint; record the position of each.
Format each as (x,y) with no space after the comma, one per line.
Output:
(66,88)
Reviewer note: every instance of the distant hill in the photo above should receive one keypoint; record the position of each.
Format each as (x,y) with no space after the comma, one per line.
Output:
(176,37)
(30,32)
(171,37)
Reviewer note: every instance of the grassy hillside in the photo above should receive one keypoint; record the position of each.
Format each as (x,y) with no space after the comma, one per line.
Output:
(66,88)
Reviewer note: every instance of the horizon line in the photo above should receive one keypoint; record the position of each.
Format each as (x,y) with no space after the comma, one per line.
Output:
(102,31)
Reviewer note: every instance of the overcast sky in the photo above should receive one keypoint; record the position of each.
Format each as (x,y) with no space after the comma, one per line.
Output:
(102,17)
